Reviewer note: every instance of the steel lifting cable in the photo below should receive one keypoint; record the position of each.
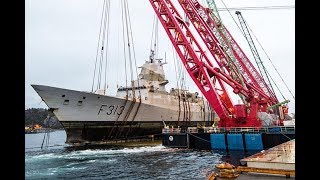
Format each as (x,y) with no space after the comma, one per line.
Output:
(154,35)
(180,79)
(180,72)
(134,116)
(126,21)
(116,121)
(199,138)
(276,85)
(107,47)
(184,108)
(285,135)
(153,27)
(128,39)
(259,45)
(189,109)
(136,67)
(258,8)
(118,50)
(232,17)
(125,67)
(271,62)
(98,46)
(203,110)
(120,129)
(101,50)
(185,99)
(156,45)
(102,44)
(124,48)
(182,75)
(175,66)
(134,53)
(177,79)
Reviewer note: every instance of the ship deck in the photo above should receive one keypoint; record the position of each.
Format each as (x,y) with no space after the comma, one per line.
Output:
(280,157)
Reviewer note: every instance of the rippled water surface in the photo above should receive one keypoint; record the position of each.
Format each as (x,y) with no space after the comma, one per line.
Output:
(147,162)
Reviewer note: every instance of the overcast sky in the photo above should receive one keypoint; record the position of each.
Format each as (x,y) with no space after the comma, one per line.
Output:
(62,36)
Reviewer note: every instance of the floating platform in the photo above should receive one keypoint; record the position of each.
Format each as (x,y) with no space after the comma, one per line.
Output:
(233,139)
(277,160)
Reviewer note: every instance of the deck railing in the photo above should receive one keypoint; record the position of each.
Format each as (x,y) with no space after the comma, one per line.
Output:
(232,129)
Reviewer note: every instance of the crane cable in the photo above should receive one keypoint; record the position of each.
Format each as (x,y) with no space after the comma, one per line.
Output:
(124,48)
(154,36)
(181,81)
(178,70)
(105,23)
(153,24)
(257,8)
(254,7)
(95,65)
(266,71)
(118,78)
(260,46)
(276,85)
(134,52)
(271,63)
(177,81)
(129,38)
(107,47)
(175,67)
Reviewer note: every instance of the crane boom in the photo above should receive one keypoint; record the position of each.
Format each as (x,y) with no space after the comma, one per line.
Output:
(230,43)
(196,62)
(213,72)
(261,67)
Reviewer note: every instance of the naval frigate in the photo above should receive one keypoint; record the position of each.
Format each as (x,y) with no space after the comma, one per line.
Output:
(144,108)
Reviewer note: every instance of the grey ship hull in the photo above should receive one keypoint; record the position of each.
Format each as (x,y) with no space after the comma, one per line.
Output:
(94,118)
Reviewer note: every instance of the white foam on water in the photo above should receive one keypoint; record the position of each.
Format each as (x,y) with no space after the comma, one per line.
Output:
(90,152)
(107,160)
(142,149)
(40,157)
(82,154)
(92,161)
(52,171)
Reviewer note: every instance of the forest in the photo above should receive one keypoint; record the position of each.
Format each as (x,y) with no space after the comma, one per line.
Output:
(33,116)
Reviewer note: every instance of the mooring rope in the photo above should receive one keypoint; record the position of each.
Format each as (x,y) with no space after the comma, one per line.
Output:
(199,138)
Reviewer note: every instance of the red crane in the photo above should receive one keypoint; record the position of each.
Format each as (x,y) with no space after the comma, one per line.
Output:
(214,72)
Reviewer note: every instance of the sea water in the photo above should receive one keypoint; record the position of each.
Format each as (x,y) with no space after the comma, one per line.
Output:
(57,161)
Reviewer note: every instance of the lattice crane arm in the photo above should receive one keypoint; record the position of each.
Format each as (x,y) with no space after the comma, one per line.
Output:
(210,78)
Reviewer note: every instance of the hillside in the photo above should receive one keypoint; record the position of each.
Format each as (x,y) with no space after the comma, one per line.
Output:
(34,116)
